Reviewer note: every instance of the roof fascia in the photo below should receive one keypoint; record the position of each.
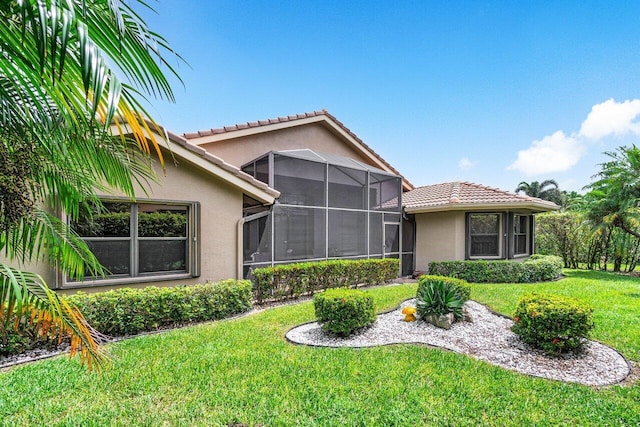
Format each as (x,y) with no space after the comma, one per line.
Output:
(533,207)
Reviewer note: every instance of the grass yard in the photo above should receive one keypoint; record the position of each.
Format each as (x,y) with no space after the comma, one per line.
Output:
(244,371)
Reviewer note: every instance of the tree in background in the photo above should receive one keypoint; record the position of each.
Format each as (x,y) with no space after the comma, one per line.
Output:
(545,190)
(70,73)
(603,226)
(614,197)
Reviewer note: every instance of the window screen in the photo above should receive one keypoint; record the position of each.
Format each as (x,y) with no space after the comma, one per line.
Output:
(484,232)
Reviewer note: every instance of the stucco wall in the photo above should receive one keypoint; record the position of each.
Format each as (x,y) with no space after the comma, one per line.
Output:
(239,151)
(440,236)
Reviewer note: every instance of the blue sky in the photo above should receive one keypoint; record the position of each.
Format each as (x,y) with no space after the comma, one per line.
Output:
(488,92)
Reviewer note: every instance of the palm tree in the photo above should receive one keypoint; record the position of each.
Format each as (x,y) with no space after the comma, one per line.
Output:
(545,190)
(614,197)
(71,72)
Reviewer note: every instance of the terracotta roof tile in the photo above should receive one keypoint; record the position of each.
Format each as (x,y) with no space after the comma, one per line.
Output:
(457,194)
(291,118)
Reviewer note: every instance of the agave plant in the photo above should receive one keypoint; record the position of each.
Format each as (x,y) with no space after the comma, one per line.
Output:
(438,297)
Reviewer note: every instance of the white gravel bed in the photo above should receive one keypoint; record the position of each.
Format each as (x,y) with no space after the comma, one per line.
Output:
(486,337)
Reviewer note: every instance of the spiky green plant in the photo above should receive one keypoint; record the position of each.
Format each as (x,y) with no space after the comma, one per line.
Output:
(438,297)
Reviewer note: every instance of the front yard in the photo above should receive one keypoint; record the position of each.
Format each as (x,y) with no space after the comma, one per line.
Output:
(243,371)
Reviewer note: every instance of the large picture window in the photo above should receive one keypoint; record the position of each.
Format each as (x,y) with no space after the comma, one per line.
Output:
(484,235)
(140,239)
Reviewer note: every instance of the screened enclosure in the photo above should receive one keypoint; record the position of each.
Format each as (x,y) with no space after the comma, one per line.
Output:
(330,207)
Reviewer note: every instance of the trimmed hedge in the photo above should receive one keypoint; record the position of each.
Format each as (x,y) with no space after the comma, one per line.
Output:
(292,280)
(552,323)
(537,268)
(344,311)
(130,311)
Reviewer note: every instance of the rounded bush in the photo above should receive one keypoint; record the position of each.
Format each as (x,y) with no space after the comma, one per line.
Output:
(344,311)
(552,323)
(438,295)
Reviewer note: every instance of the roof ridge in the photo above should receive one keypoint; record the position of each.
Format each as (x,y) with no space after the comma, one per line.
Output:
(258,123)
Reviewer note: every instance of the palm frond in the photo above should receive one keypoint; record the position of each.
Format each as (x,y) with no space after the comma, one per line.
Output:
(27,298)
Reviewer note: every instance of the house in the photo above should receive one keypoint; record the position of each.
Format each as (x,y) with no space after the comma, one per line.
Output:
(463,220)
(290,189)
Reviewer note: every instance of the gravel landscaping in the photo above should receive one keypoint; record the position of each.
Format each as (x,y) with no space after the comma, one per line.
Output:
(486,336)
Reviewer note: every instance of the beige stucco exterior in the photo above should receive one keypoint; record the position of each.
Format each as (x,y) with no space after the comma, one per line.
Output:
(314,136)
(440,236)
(220,211)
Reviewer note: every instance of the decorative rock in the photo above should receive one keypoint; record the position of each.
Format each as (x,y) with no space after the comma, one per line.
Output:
(443,321)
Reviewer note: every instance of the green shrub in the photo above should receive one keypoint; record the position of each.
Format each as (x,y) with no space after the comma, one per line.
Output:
(14,342)
(292,280)
(344,311)
(461,286)
(537,268)
(552,323)
(129,311)
(441,295)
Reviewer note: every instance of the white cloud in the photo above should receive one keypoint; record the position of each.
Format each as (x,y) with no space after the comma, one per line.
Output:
(553,153)
(612,118)
(465,163)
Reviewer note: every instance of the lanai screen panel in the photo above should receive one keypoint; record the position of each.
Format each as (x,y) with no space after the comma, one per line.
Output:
(384,192)
(299,233)
(347,233)
(347,188)
(300,182)
(329,207)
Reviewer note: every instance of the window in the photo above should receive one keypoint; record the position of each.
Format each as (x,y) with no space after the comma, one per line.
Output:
(484,235)
(141,239)
(520,234)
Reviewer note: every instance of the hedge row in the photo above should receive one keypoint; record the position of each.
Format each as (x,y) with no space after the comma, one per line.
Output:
(537,268)
(292,280)
(129,311)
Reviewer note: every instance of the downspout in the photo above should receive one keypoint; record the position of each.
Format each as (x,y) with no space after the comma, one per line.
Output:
(239,248)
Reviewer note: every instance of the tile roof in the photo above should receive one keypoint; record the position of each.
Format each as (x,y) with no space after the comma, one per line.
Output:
(293,118)
(216,161)
(461,195)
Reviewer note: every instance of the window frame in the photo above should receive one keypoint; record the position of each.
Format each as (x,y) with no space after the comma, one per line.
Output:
(192,249)
(526,233)
(499,236)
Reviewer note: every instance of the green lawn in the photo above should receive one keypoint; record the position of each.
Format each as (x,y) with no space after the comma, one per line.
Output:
(243,370)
